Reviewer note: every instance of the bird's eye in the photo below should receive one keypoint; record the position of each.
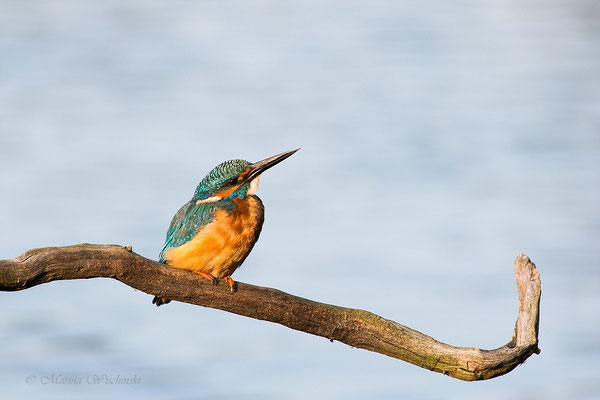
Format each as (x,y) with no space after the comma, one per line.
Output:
(232,181)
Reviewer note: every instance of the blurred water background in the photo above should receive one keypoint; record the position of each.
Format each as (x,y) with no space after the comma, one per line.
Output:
(439,140)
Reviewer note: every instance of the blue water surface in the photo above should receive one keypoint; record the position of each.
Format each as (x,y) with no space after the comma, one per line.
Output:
(439,140)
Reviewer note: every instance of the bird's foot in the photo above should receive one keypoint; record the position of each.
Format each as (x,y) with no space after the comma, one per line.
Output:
(159,301)
(231,283)
(212,279)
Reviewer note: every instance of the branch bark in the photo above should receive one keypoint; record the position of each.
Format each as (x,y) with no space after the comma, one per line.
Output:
(356,328)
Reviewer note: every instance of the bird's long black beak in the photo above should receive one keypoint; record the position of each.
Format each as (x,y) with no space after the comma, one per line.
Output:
(261,166)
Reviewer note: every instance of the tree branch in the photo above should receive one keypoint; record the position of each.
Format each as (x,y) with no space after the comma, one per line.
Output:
(356,328)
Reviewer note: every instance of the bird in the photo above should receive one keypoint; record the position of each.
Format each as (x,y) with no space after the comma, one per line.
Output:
(213,233)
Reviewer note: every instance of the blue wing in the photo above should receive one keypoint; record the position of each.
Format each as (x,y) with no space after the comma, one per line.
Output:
(189,219)
(186,223)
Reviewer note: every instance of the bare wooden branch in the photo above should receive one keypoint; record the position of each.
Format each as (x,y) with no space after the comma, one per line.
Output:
(356,328)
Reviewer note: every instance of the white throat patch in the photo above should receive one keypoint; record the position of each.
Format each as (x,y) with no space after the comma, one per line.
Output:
(253,185)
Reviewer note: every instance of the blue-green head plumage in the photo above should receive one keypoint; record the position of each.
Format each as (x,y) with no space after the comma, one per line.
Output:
(224,176)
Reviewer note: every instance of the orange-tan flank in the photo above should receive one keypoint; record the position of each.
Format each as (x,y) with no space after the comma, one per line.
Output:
(221,246)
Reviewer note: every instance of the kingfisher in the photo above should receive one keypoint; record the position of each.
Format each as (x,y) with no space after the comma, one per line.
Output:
(213,233)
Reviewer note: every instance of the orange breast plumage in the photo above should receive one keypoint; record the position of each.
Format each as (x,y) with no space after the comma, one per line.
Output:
(222,245)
